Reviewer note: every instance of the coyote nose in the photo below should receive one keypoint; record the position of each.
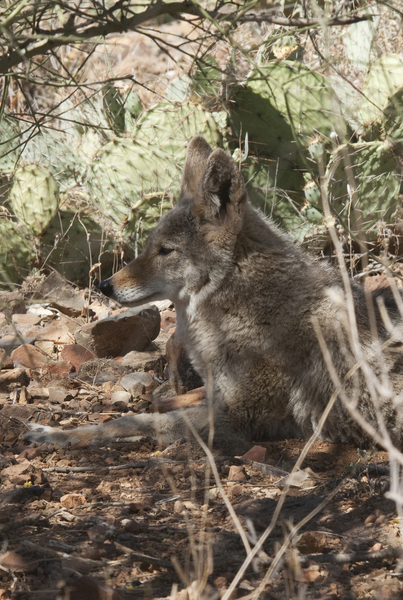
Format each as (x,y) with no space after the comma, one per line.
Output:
(106,287)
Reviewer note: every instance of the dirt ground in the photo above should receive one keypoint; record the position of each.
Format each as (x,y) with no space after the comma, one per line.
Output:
(142,520)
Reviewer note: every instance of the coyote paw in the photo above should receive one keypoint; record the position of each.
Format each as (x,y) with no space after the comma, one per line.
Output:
(43,433)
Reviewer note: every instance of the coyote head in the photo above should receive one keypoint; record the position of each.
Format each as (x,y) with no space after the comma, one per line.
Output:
(193,245)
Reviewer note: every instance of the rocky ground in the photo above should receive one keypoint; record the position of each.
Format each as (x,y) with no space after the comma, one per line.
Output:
(137,520)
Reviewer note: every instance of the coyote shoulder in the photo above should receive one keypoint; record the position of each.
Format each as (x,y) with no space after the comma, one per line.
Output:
(250,305)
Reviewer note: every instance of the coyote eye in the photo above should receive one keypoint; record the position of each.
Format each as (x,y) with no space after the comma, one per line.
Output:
(164,251)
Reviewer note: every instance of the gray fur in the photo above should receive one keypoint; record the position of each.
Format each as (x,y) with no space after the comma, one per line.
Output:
(246,298)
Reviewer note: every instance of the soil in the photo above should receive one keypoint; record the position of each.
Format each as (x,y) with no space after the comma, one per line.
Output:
(146,521)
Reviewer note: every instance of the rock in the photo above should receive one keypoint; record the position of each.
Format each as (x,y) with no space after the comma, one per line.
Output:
(59,332)
(145,361)
(72,500)
(187,400)
(88,588)
(14,341)
(45,347)
(311,542)
(16,563)
(13,378)
(236,473)
(58,395)
(130,382)
(25,319)
(117,335)
(121,396)
(37,391)
(12,303)
(5,360)
(235,490)
(60,370)
(168,319)
(180,370)
(57,292)
(76,355)
(30,357)
(256,453)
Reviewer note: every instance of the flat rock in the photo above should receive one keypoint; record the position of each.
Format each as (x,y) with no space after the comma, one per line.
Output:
(60,294)
(144,361)
(121,396)
(30,357)
(14,377)
(130,381)
(76,355)
(256,453)
(133,329)
(58,332)
(25,319)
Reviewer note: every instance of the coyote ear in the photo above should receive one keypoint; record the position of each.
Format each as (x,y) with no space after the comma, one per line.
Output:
(223,194)
(198,151)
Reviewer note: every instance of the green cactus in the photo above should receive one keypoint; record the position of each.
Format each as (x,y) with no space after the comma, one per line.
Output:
(9,145)
(63,154)
(134,181)
(393,121)
(372,168)
(66,247)
(133,109)
(384,79)
(114,109)
(16,254)
(301,96)
(34,198)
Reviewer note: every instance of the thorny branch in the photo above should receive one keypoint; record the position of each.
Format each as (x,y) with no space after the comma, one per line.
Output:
(29,30)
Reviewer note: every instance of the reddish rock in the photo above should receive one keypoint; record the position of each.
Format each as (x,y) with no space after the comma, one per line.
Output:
(256,453)
(76,355)
(29,356)
(133,329)
(60,370)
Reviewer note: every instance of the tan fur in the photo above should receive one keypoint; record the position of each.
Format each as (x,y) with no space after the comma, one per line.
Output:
(246,299)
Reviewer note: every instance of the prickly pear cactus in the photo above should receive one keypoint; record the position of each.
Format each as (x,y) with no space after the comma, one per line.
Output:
(73,243)
(384,79)
(300,95)
(9,145)
(393,122)
(34,198)
(65,155)
(372,168)
(170,127)
(134,181)
(114,109)
(16,254)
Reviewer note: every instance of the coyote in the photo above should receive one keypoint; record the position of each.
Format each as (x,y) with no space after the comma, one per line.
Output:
(249,307)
